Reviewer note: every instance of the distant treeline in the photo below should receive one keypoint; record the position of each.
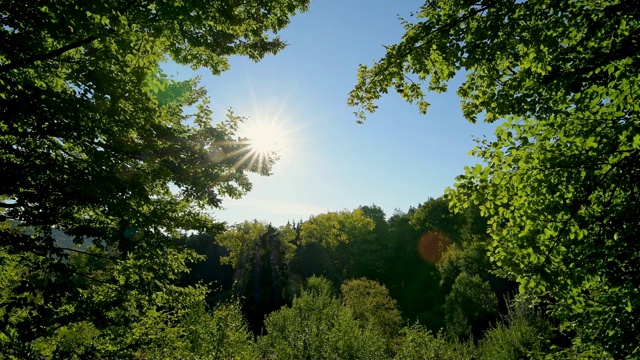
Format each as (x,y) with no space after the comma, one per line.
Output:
(418,255)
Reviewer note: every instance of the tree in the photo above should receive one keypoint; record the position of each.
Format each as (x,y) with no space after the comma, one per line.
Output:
(470,258)
(470,306)
(419,343)
(260,255)
(434,216)
(103,146)
(90,123)
(375,213)
(217,277)
(344,237)
(559,181)
(114,307)
(318,326)
(221,333)
(523,333)
(319,286)
(372,261)
(372,305)
(412,280)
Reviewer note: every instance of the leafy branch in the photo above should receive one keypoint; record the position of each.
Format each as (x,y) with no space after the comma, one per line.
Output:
(48,56)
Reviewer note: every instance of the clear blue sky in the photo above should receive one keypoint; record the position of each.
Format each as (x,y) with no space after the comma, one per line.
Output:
(397,159)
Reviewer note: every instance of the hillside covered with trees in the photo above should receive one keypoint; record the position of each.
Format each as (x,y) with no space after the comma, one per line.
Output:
(109,249)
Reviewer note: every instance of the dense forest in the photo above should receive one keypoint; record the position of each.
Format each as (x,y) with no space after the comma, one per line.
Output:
(109,250)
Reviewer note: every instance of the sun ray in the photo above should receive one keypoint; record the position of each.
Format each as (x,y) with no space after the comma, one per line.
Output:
(265,137)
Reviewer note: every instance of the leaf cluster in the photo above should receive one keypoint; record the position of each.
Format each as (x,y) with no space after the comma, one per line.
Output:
(558,182)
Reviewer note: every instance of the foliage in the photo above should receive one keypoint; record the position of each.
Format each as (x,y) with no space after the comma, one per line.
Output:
(334,228)
(372,305)
(373,253)
(470,258)
(375,213)
(434,216)
(470,306)
(559,184)
(198,334)
(524,334)
(74,341)
(210,272)
(318,326)
(410,279)
(319,286)
(261,256)
(242,239)
(116,134)
(119,312)
(347,239)
(419,343)
(218,334)
(104,147)
(582,352)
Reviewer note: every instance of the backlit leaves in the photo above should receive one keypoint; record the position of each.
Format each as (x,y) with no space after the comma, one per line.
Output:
(559,180)
(103,146)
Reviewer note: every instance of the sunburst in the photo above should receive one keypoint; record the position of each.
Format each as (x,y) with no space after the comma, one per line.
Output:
(268,141)
(266,138)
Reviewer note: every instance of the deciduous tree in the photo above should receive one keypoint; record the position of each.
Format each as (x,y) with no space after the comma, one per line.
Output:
(261,257)
(344,236)
(559,183)
(372,305)
(103,146)
(318,326)
(470,306)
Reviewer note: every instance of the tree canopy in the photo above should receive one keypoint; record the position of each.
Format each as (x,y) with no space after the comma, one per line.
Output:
(318,326)
(348,241)
(104,147)
(559,181)
(93,132)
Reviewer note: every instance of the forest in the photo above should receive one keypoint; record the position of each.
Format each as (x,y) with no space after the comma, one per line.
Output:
(112,171)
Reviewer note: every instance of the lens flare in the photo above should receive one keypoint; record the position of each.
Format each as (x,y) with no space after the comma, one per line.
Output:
(432,245)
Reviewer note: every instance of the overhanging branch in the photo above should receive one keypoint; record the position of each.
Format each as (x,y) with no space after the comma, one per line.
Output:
(46,56)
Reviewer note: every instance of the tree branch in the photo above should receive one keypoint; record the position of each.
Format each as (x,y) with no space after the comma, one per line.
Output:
(98,280)
(88,253)
(422,41)
(46,56)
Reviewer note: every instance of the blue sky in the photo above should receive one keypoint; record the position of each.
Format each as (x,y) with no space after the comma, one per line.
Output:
(397,159)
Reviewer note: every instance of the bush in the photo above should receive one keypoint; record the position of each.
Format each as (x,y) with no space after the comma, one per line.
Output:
(470,307)
(372,305)
(318,326)
(523,334)
(419,343)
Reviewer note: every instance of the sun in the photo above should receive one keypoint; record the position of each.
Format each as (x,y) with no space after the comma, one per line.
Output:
(270,138)
(266,137)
